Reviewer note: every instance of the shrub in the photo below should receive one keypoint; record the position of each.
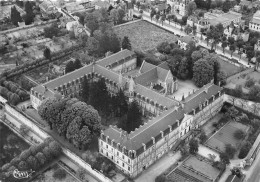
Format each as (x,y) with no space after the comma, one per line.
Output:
(160,178)
(239,134)
(230,150)
(24,129)
(59,174)
(244,150)
(249,83)
(203,137)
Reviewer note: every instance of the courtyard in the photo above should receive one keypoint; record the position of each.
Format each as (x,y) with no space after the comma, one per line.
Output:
(225,136)
(144,35)
(228,68)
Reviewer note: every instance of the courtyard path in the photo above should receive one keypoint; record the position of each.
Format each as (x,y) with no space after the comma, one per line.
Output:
(159,167)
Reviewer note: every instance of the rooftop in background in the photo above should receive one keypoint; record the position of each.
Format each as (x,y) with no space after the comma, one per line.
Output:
(74,7)
(256,18)
(223,18)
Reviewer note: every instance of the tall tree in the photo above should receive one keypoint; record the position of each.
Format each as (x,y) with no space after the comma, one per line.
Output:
(15,16)
(91,21)
(232,48)
(126,43)
(191,7)
(194,146)
(224,45)
(77,64)
(47,53)
(69,67)
(183,70)
(85,90)
(121,15)
(203,72)
(121,103)
(29,16)
(134,117)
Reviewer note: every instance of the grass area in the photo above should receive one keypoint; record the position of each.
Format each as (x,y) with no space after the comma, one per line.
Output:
(202,167)
(47,176)
(225,136)
(11,145)
(144,35)
(230,69)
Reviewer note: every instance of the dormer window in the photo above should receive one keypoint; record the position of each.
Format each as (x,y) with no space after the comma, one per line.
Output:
(200,106)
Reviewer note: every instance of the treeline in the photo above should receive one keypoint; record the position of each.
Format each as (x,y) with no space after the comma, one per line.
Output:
(72,119)
(35,158)
(12,92)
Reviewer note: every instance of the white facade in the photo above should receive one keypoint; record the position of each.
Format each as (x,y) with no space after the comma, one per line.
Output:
(254,24)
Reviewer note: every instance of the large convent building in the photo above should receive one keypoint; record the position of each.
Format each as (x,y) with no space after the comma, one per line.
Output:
(151,86)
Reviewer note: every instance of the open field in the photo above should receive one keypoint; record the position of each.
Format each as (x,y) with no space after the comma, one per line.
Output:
(230,69)
(225,136)
(144,35)
(202,167)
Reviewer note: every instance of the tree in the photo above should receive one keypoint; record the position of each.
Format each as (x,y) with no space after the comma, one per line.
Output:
(191,7)
(224,158)
(203,72)
(59,174)
(133,118)
(121,15)
(47,153)
(33,163)
(232,48)
(85,90)
(51,31)
(41,158)
(152,13)
(196,55)
(157,16)
(15,16)
(239,134)
(47,53)
(230,150)
(183,70)
(163,18)
(92,46)
(224,45)
(226,6)
(250,54)
(55,148)
(194,146)
(23,165)
(77,64)
(24,129)
(244,150)
(69,67)
(164,48)
(24,155)
(254,92)
(81,173)
(188,29)
(91,21)
(28,18)
(126,43)
(250,82)
(161,178)
(114,16)
(203,136)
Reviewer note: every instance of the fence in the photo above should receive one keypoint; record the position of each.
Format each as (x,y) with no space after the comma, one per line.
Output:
(27,27)
(98,175)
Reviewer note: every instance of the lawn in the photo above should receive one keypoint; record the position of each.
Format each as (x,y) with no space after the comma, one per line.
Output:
(144,35)
(225,136)
(230,69)
(202,167)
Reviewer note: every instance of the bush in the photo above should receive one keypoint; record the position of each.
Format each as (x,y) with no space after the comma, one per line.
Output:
(160,178)
(249,83)
(24,129)
(244,150)
(59,174)
(203,137)
(230,151)
(239,134)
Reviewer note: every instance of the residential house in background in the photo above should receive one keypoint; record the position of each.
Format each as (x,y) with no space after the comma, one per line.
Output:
(179,6)
(100,4)
(257,46)
(74,7)
(47,8)
(217,16)
(254,24)
(236,32)
(184,41)
(200,23)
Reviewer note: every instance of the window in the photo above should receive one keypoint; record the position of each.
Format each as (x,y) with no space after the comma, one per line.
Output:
(123,157)
(123,164)
(107,146)
(101,143)
(128,168)
(107,154)
(101,150)
(129,161)
(117,153)
(117,162)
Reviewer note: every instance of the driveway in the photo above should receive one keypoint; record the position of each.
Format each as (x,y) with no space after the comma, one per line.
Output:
(159,167)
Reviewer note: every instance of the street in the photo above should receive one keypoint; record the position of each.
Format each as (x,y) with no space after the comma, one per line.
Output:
(253,174)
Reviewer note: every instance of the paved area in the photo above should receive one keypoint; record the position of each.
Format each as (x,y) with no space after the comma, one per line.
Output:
(159,167)
(184,88)
(205,151)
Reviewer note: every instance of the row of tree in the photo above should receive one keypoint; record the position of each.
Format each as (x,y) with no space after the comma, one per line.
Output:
(71,118)
(33,158)
(224,5)
(73,65)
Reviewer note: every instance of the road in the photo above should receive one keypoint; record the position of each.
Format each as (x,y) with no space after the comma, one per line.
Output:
(253,174)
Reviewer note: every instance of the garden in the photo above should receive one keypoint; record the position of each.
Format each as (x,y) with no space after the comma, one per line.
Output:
(144,35)
(11,145)
(228,68)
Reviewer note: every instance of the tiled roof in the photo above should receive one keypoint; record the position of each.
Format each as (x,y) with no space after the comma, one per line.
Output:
(124,54)
(192,102)
(146,67)
(155,96)
(144,134)
(147,77)
(164,65)
(162,73)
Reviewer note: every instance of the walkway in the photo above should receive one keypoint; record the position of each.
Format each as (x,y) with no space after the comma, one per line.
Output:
(205,151)
(159,167)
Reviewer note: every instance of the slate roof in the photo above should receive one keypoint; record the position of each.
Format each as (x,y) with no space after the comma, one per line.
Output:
(144,134)
(121,55)
(146,67)
(256,21)
(164,65)
(73,7)
(192,102)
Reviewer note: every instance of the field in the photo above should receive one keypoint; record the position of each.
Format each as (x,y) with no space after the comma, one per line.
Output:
(11,145)
(230,69)
(225,136)
(143,35)
(202,167)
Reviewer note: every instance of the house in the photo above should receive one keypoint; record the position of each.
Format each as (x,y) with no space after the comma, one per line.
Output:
(200,23)
(184,41)
(74,7)
(192,20)
(179,6)
(47,8)
(215,17)
(257,46)
(237,8)
(100,4)
(254,24)
(236,32)
(136,151)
